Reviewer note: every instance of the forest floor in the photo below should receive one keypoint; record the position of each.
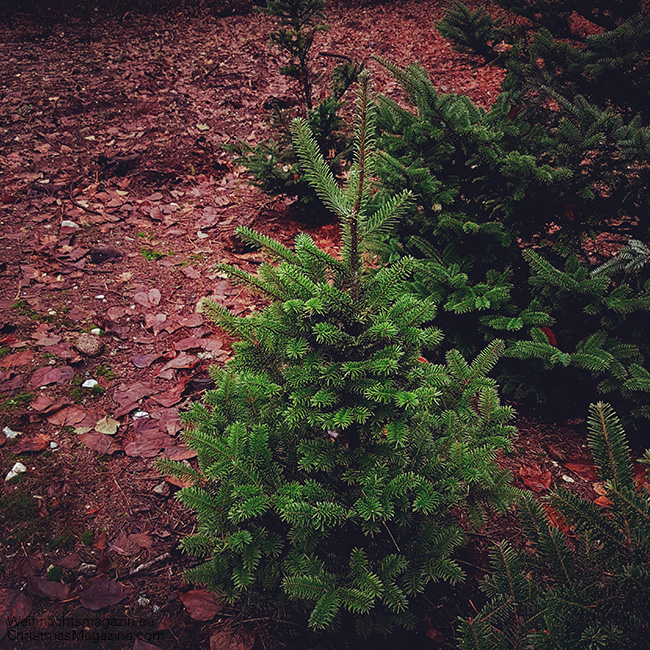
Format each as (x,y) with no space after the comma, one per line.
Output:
(116,203)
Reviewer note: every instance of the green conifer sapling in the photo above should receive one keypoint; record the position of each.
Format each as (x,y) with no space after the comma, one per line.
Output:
(330,454)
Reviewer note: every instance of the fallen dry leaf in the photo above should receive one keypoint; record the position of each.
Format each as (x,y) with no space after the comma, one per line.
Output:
(176,323)
(104,563)
(189,343)
(22,358)
(155,322)
(600,489)
(99,442)
(42,588)
(10,381)
(31,565)
(178,482)
(37,442)
(50,375)
(182,361)
(534,478)
(145,360)
(107,425)
(190,272)
(127,397)
(68,416)
(173,395)
(147,297)
(115,313)
(100,542)
(45,404)
(145,439)
(557,520)
(92,417)
(169,420)
(14,606)
(103,593)
(45,340)
(232,639)
(215,347)
(201,605)
(584,470)
(71,561)
(603,502)
(64,351)
(179,452)
(131,544)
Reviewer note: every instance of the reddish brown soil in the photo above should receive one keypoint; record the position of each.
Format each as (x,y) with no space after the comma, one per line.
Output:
(117,126)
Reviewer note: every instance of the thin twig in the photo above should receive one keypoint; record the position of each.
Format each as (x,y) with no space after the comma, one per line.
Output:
(77,204)
(336,56)
(146,565)
(399,550)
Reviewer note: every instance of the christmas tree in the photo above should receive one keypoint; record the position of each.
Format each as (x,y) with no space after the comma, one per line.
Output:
(332,456)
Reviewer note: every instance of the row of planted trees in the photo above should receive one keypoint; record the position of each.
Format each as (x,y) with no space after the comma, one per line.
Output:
(356,425)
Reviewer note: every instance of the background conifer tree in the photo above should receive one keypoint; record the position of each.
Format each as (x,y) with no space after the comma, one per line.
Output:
(480,180)
(577,89)
(274,164)
(587,586)
(331,455)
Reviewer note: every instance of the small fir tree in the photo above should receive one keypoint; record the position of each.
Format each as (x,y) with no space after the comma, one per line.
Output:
(299,21)
(274,164)
(331,454)
(582,587)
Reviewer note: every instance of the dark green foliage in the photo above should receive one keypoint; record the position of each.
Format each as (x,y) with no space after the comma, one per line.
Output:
(598,334)
(331,456)
(274,165)
(478,173)
(587,590)
(577,88)
(471,31)
(569,335)
(630,260)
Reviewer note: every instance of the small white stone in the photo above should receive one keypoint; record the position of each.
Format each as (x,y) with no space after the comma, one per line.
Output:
(205,355)
(52,362)
(143,601)
(54,446)
(202,235)
(99,297)
(567,478)
(18,468)
(89,383)
(140,414)
(96,331)
(66,223)
(10,434)
(156,609)
(51,312)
